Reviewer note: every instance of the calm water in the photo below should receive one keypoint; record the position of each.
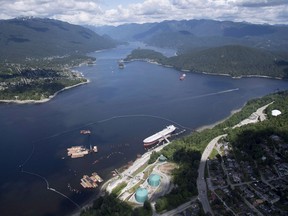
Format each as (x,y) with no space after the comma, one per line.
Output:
(121,108)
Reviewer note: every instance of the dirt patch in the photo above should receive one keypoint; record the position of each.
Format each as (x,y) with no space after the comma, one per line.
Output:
(167,168)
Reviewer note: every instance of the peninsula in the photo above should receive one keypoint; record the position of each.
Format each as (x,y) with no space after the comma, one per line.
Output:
(37,56)
(39,80)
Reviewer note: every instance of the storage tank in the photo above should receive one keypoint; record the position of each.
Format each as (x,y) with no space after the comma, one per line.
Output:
(141,195)
(154,180)
(162,158)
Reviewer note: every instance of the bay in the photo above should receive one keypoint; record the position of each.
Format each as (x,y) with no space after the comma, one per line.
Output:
(121,107)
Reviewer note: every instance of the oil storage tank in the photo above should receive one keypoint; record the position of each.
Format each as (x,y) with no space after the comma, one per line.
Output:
(154,180)
(141,195)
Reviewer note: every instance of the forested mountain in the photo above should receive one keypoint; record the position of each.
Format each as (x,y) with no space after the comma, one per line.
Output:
(22,38)
(187,34)
(234,60)
(36,56)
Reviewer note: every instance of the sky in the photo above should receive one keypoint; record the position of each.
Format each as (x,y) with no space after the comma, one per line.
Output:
(117,12)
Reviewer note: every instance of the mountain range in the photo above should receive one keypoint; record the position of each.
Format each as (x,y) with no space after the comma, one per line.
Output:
(185,35)
(36,53)
(23,38)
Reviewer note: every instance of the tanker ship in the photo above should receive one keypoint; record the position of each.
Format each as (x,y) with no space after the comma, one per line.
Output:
(157,137)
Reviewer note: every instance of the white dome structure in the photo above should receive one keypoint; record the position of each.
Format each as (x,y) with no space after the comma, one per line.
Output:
(276,112)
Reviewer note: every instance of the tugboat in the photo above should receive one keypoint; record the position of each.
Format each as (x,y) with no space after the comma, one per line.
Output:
(85,132)
(182,77)
(121,64)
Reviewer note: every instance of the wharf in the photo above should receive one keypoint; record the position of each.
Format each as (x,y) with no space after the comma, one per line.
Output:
(80,151)
(91,181)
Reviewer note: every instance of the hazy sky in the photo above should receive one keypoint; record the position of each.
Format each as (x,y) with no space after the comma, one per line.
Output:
(115,12)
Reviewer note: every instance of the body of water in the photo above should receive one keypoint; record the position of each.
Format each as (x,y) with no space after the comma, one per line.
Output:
(121,107)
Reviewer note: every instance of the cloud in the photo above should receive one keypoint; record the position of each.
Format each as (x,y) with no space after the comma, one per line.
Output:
(92,12)
(46,8)
(262,3)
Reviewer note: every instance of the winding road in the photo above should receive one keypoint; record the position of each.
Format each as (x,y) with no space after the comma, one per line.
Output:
(201,184)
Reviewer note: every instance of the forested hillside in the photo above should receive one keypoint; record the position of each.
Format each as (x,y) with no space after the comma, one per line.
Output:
(24,38)
(36,56)
(232,60)
(184,35)
(186,152)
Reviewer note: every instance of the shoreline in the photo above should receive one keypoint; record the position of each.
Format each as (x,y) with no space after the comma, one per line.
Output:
(90,202)
(203,72)
(46,99)
(210,126)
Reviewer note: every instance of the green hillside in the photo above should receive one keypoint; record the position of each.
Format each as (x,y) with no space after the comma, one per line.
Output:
(34,37)
(36,56)
(234,60)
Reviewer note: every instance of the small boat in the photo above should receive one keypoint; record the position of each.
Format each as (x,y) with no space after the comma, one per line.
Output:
(121,65)
(182,77)
(85,132)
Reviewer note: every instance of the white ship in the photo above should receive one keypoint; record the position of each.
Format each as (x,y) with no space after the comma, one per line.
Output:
(158,136)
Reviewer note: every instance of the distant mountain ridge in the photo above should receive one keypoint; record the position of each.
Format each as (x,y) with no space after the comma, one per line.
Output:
(36,37)
(186,34)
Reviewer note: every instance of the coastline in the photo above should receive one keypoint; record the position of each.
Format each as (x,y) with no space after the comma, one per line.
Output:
(206,73)
(89,203)
(204,127)
(46,99)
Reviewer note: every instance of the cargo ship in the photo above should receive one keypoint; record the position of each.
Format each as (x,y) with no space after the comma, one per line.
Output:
(157,137)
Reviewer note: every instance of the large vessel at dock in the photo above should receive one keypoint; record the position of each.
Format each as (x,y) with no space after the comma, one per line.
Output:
(161,135)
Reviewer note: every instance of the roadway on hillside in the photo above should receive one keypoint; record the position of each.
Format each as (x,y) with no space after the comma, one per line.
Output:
(201,184)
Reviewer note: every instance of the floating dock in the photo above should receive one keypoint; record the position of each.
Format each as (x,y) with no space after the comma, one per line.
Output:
(91,181)
(77,151)
(80,151)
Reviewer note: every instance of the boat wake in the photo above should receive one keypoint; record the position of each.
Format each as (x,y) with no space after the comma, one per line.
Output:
(207,95)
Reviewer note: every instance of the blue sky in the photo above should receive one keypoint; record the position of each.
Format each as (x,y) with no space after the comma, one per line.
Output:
(110,4)
(116,12)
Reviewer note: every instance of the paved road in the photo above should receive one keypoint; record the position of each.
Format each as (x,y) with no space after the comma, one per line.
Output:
(255,117)
(179,209)
(201,184)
